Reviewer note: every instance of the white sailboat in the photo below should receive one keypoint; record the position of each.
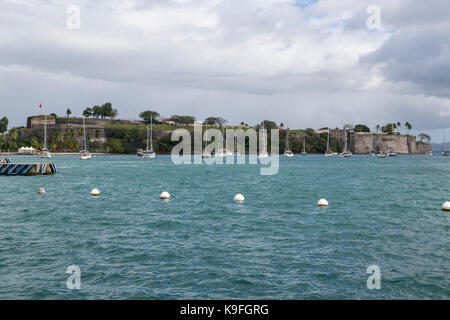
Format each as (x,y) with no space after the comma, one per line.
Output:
(372,150)
(444,152)
(304,147)
(328,152)
(236,152)
(263,153)
(204,153)
(45,154)
(85,154)
(288,153)
(221,153)
(228,153)
(149,153)
(346,153)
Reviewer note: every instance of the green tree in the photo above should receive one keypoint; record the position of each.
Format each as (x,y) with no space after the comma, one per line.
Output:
(215,121)
(3,124)
(3,143)
(107,111)
(389,128)
(13,134)
(34,143)
(182,119)
(269,125)
(88,112)
(361,128)
(54,115)
(148,115)
(114,145)
(424,136)
(408,126)
(68,112)
(96,111)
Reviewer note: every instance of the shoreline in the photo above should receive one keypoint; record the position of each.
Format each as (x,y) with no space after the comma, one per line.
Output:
(163,153)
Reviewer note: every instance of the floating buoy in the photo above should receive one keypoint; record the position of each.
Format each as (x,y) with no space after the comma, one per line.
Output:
(446,206)
(239,198)
(41,190)
(322,203)
(165,195)
(95,192)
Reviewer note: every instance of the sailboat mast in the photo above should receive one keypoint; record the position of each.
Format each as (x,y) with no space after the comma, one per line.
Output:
(345,146)
(147,139)
(371,141)
(205,136)
(287,139)
(443,144)
(224,147)
(328,140)
(45,131)
(264,138)
(84,133)
(151,132)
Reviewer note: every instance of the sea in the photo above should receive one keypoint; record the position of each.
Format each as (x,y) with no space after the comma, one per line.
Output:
(383,214)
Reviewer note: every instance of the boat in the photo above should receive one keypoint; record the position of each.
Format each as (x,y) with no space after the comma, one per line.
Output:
(444,153)
(149,153)
(382,154)
(303,153)
(288,153)
(85,154)
(329,153)
(263,153)
(45,154)
(204,153)
(372,152)
(221,153)
(429,153)
(226,152)
(346,153)
(392,153)
(236,152)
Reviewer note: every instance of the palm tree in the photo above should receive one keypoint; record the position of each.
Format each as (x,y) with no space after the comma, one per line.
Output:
(378,127)
(408,126)
(13,134)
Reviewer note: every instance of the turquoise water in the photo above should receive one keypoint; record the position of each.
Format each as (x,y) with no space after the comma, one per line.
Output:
(202,245)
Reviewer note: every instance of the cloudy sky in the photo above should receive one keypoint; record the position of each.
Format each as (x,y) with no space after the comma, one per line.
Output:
(308,63)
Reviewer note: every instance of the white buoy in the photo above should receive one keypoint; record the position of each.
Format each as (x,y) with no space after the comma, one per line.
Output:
(322,203)
(165,195)
(446,206)
(41,190)
(239,198)
(95,192)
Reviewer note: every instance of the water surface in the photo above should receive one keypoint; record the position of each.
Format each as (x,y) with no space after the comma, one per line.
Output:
(201,245)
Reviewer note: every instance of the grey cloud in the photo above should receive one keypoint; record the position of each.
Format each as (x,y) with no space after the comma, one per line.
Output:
(255,59)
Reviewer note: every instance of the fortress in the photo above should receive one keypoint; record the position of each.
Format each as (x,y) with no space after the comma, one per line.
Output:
(98,132)
(364,142)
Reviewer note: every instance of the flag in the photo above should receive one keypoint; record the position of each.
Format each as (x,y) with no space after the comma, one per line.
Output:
(40,106)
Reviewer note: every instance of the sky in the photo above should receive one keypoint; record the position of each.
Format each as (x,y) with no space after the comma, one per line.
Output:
(305,63)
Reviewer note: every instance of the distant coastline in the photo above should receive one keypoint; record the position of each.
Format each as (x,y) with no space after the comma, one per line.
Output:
(114,136)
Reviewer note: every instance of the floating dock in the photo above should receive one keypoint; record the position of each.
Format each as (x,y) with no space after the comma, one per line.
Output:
(26,169)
